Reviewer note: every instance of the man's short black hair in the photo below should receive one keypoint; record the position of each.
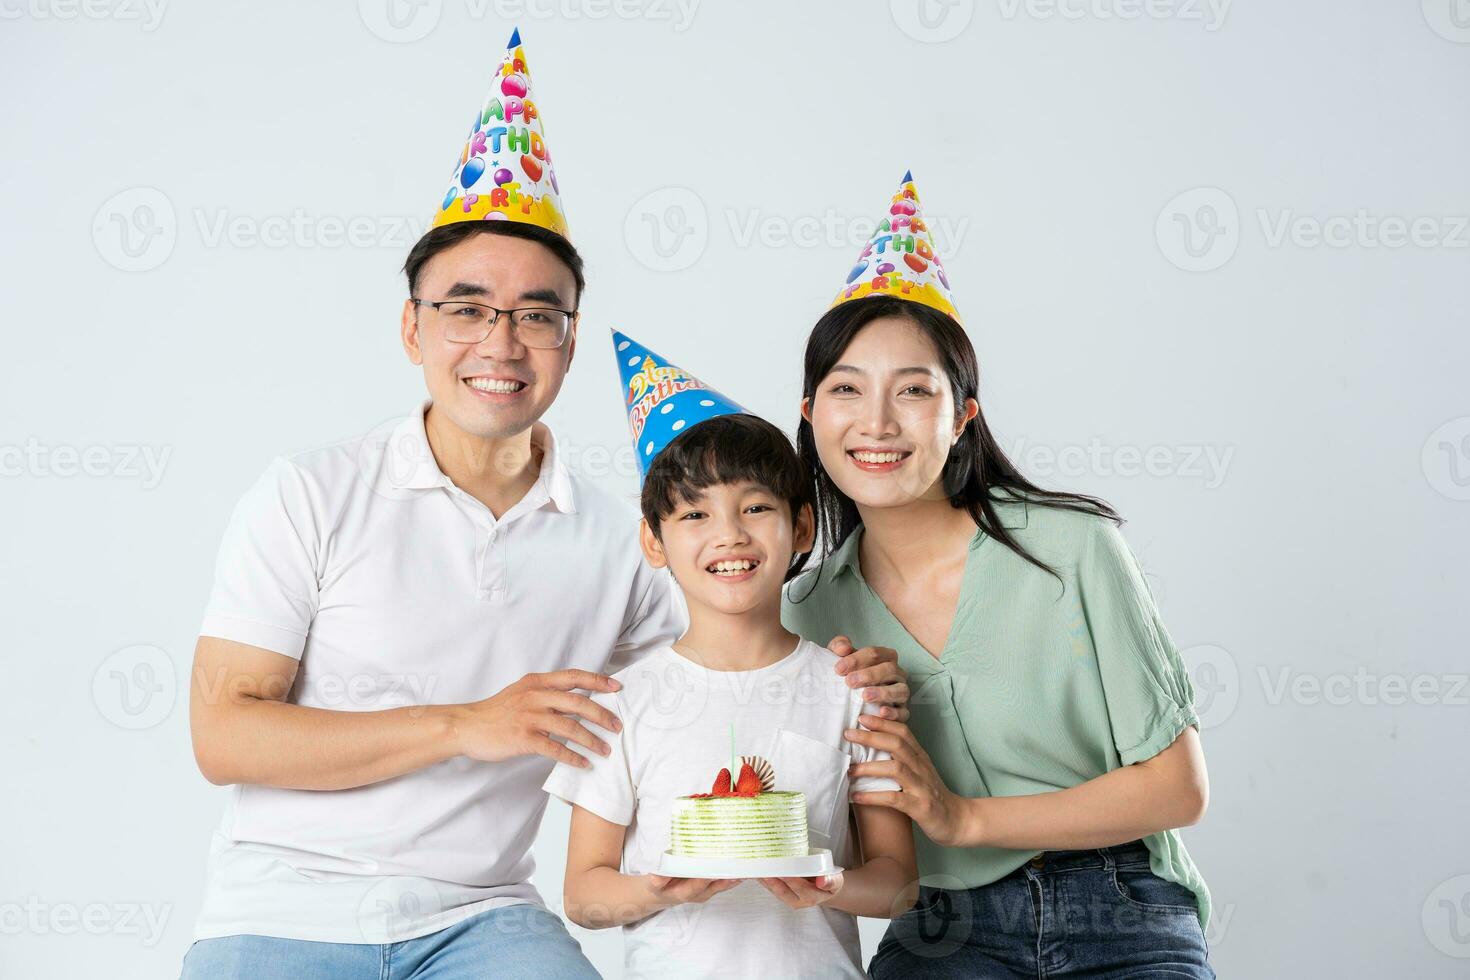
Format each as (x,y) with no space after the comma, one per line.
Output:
(725,449)
(436,240)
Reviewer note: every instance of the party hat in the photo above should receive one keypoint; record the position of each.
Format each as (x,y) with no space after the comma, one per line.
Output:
(662,400)
(504,171)
(900,258)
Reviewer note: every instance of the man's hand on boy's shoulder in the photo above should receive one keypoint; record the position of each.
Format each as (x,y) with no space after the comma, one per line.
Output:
(876,670)
(530,716)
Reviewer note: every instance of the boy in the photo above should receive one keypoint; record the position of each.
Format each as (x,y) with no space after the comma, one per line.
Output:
(726,507)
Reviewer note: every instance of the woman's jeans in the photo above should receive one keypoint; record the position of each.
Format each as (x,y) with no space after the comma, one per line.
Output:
(1096,914)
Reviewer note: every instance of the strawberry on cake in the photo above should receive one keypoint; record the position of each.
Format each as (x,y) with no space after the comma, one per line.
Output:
(746,820)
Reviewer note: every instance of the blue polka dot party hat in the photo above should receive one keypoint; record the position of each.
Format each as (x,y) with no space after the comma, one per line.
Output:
(662,400)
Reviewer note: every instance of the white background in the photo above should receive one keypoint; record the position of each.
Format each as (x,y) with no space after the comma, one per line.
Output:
(1277,401)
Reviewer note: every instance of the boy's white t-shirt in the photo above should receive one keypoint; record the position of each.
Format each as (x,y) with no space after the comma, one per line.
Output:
(676,737)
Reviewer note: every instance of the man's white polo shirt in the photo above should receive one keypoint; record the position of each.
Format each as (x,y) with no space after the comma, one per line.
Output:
(394,587)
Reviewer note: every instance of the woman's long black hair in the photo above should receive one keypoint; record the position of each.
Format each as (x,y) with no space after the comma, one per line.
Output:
(976,465)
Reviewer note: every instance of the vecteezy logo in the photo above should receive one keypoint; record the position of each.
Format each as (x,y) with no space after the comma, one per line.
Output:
(400,21)
(1216,682)
(1450,19)
(680,696)
(1446,917)
(135,230)
(387,459)
(135,687)
(943,918)
(668,229)
(932,21)
(1446,459)
(1199,229)
(393,907)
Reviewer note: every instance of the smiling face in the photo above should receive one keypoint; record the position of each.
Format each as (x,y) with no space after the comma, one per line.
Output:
(730,546)
(498,387)
(884,416)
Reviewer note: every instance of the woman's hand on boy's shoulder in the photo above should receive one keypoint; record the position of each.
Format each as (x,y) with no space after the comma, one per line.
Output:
(684,891)
(804,893)
(945,817)
(876,670)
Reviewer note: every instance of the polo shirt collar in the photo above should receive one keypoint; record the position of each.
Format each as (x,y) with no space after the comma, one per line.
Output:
(1010,510)
(414,466)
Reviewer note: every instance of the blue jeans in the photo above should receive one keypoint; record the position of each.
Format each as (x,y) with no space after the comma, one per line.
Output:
(514,941)
(1097,914)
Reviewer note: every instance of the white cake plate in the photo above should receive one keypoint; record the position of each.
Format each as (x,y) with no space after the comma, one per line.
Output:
(818,861)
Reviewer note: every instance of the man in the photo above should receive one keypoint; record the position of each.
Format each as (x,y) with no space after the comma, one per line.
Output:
(401,625)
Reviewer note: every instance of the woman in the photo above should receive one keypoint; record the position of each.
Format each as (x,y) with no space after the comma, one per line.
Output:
(1053,750)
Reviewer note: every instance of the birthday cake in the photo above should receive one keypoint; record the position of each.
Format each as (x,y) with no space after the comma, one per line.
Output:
(749,819)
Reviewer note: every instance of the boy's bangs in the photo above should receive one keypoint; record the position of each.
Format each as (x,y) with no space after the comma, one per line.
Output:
(708,466)
(731,449)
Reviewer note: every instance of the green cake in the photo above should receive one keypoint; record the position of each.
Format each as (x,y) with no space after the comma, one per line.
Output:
(768,825)
(747,820)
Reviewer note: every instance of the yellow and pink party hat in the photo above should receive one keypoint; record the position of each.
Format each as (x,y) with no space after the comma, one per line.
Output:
(900,258)
(504,171)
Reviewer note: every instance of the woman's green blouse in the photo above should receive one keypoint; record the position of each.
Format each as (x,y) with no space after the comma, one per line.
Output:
(1042,684)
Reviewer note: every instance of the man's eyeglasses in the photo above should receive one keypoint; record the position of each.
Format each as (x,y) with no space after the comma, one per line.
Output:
(471,323)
